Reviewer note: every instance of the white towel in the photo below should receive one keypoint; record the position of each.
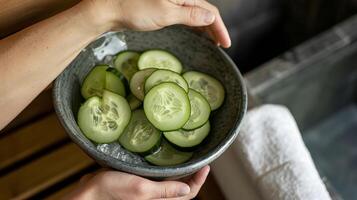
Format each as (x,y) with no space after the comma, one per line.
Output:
(276,158)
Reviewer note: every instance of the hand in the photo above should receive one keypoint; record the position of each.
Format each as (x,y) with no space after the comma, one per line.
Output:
(118,185)
(147,15)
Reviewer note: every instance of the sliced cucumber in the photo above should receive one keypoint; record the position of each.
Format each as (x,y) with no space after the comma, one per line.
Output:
(200,110)
(127,63)
(183,138)
(167,106)
(168,155)
(114,84)
(140,135)
(137,83)
(208,86)
(121,77)
(115,72)
(159,59)
(103,120)
(101,78)
(163,75)
(94,83)
(134,103)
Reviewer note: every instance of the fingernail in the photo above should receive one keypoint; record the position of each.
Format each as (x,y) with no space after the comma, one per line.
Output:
(184,190)
(208,17)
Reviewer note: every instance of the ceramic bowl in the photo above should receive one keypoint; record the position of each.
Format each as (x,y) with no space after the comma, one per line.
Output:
(196,52)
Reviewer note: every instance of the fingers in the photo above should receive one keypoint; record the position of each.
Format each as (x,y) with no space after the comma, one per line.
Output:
(195,182)
(167,189)
(217,28)
(192,16)
(198,180)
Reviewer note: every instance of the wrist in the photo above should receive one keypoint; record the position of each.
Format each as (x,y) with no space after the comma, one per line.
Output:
(101,16)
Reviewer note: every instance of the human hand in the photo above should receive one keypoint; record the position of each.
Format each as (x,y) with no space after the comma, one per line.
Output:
(148,15)
(119,185)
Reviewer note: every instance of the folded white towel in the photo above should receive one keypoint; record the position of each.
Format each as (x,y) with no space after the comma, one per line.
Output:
(276,158)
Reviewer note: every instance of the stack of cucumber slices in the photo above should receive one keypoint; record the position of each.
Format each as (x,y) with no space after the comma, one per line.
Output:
(148,106)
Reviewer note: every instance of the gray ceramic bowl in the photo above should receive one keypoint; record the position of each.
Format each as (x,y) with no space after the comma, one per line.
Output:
(196,52)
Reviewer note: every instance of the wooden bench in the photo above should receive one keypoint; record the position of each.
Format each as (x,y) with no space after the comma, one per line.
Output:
(39,161)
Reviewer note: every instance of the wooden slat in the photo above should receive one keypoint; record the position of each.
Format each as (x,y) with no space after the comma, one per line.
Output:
(60,194)
(30,139)
(18,14)
(43,172)
(39,106)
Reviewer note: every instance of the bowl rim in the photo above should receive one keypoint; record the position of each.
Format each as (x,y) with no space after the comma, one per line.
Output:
(156,171)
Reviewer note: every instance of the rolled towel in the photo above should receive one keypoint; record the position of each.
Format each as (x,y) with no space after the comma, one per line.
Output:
(275,156)
(230,175)
(293,180)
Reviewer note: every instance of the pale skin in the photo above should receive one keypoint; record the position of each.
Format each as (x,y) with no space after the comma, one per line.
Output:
(33,57)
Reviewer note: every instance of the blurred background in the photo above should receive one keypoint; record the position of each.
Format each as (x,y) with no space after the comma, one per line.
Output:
(299,53)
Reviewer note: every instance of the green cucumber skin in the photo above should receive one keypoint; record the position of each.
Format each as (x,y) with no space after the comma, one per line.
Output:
(208,108)
(141,67)
(85,122)
(115,72)
(134,102)
(166,72)
(154,149)
(192,76)
(185,149)
(189,108)
(118,87)
(127,74)
(134,87)
(166,146)
(183,128)
(183,141)
(100,80)
(139,125)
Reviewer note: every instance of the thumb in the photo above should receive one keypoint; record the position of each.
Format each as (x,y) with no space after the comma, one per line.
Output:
(169,189)
(193,16)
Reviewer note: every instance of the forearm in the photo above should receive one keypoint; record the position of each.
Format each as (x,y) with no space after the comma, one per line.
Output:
(33,57)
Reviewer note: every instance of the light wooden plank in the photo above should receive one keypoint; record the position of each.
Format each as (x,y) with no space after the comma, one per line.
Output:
(44,172)
(60,194)
(18,14)
(30,139)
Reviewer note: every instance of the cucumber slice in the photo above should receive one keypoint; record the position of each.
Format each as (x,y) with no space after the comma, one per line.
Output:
(140,135)
(137,83)
(200,110)
(162,75)
(168,155)
(208,86)
(94,83)
(103,120)
(114,84)
(134,103)
(183,138)
(121,77)
(167,106)
(115,72)
(101,78)
(159,59)
(127,63)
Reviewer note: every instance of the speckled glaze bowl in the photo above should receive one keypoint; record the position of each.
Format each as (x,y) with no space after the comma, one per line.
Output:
(196,52)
